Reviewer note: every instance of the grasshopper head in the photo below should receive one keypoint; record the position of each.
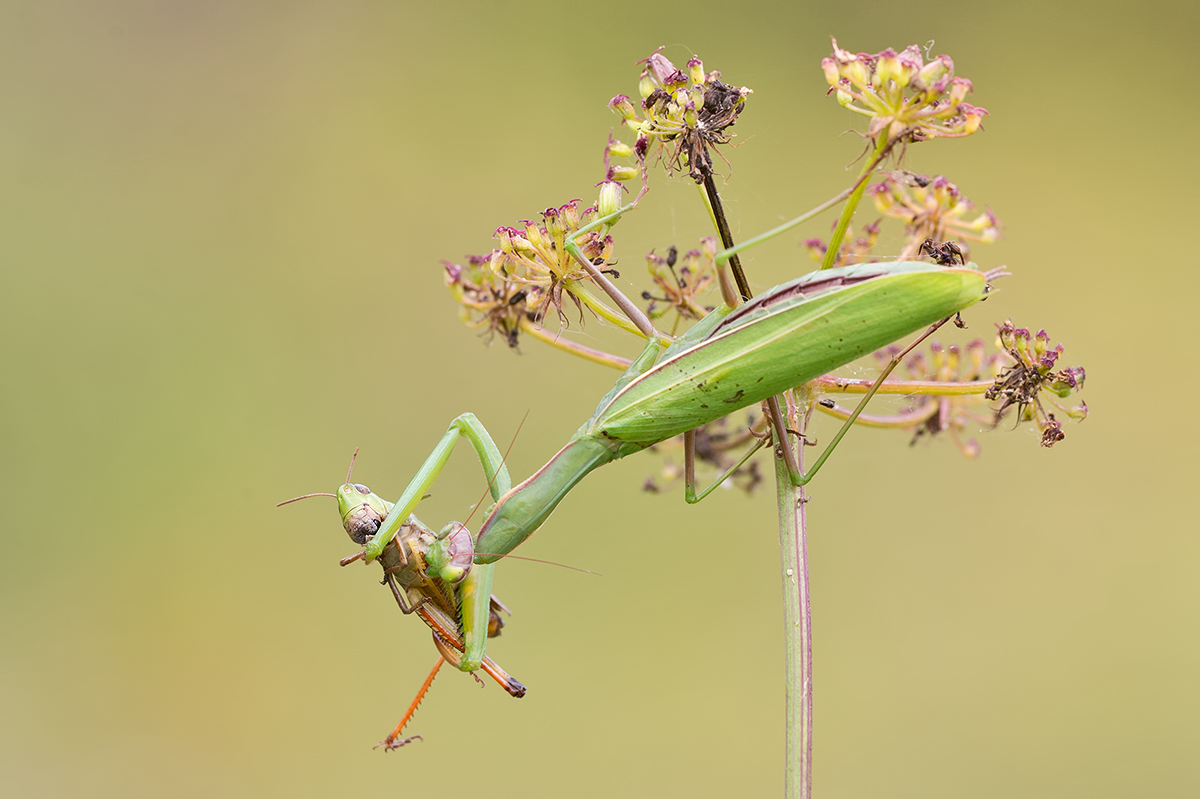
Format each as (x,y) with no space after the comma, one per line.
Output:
(362,511)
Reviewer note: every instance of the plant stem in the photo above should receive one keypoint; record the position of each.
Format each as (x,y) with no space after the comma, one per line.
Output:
(944,388)
(880,154)
(726,254)
(797,612)
(566,345)
(882,145)
(718,212)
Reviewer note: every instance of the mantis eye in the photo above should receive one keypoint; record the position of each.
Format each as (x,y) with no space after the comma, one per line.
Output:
(362,489)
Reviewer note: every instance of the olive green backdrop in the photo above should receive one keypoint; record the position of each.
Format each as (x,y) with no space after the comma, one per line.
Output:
(221,230)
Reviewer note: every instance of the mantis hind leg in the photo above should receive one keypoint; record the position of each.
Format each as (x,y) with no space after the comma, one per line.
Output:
(689,466)
(781,432)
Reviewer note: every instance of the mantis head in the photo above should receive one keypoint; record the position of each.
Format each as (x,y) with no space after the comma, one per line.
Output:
(451,554)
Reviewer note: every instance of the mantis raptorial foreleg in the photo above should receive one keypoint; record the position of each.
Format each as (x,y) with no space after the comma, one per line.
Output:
(476,588)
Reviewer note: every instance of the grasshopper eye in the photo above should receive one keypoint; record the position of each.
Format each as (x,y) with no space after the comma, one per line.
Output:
(362,489)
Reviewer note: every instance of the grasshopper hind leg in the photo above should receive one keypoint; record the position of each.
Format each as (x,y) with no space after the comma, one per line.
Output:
(394,741)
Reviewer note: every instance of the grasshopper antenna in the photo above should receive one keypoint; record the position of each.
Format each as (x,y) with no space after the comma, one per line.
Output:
(323,493)
(304,496)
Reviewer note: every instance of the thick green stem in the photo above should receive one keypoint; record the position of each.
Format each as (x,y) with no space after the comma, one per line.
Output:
(839,234)
(797,613)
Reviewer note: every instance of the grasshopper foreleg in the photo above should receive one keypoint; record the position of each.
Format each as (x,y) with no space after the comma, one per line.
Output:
(405,608)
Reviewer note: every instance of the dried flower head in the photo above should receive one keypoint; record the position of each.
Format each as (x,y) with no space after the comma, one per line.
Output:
(1031,382)
(933,209)
(680,280)
(905,97)
(489,301)
(526,274)
(691,110)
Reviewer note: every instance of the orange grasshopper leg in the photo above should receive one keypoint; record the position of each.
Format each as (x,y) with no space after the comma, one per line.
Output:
(490,667)
(389,743)
(506,680)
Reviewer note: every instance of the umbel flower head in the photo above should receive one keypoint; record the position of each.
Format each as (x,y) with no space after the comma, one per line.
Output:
(933,209)
(1031,382)
(687,111)
(905,97)
(680,280)
(525,275)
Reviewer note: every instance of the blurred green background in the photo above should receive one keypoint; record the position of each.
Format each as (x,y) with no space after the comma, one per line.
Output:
(221,230)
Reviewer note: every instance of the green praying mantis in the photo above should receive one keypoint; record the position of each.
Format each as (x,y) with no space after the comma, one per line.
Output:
(733,358)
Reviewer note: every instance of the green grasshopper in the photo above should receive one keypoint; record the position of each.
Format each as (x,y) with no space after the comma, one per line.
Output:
(426,574)
(731,359)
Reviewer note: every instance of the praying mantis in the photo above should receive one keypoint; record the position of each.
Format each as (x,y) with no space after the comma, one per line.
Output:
(735,357)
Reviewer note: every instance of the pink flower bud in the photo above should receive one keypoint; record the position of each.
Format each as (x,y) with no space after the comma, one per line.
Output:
(622,172)
(555,223)
(610,198)
(959,89)
(664,71)
(973,118)
(570,214)
(888,68)
(534,238)
(1005,334)
(858,73)
(911,61)
(829,66)
(619,149)
(505,234)
(882,195)
(1041,342)
(622,106)
(647,85)
(975,353)
(935,70)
